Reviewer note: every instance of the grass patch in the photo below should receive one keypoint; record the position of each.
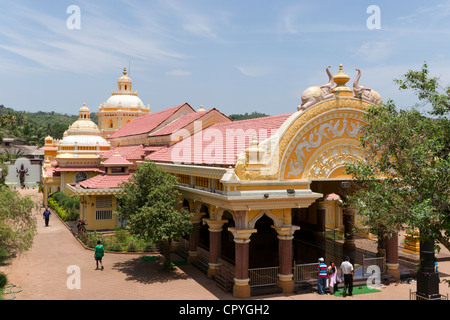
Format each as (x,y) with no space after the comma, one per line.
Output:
(357,290)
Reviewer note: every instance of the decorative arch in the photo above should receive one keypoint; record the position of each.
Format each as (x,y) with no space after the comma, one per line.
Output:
(336,120)
(330,160)
(276,221)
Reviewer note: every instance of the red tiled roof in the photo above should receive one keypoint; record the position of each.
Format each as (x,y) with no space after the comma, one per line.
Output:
(181,123)
(62,169)
(104,181)
(116,159)
(154,148)
(220,143)
(147,123)
(128,152)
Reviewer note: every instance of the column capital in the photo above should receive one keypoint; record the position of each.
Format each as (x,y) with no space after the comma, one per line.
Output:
(197,217)
(286,232)
(242,235)
(215,225)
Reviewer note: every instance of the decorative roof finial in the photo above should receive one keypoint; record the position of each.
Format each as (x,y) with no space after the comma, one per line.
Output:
(341,79)
(124,71)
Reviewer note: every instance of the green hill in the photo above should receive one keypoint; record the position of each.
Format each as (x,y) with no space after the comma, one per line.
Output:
(34,126)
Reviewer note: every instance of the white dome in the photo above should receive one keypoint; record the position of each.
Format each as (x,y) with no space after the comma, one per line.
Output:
(84,140)
(124,101)
(82,127)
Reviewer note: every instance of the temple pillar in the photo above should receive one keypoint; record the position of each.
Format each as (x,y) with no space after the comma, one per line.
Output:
(215,245)
(392,256)
(241,288)
(285,276)
(321,209)
(194,238)
(348,217)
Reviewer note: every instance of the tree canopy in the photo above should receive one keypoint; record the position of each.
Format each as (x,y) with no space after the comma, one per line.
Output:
(149,203)
(33,127)
(18,226)
(405,181)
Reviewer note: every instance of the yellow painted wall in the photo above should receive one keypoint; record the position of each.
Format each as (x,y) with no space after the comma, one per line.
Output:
(92,208)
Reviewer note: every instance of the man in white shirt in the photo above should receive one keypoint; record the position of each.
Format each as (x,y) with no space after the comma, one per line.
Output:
(348,275)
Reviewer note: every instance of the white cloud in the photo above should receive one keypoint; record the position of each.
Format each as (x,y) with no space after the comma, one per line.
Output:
(250,71)
(374,51)
(101,42)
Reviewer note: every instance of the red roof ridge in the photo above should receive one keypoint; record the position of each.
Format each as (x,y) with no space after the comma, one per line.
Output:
(133,127)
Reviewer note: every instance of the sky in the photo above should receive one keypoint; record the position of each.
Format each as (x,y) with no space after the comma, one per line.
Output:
(236,56)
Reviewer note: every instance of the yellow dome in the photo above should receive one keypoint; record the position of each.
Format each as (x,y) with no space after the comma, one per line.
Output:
(84,125)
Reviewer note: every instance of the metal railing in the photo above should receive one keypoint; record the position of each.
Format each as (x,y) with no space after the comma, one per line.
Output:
(416,296)
(380,262)
(263,276)
(305,272)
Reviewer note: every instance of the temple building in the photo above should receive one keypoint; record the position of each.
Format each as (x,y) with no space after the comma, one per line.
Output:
(74,158)
(123,106)
(256,188)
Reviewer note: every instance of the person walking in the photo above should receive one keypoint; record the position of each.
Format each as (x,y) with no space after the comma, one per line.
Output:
(348,275)
(332,277)
(436,268)
(99,253)
(322,280)
(46,216)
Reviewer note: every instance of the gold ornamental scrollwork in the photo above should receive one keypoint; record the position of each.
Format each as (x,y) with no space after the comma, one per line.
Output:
(351,108)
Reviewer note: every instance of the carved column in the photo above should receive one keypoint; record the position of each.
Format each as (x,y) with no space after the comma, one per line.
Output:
(194,237)
(241,288)
(285,276)
(215,245)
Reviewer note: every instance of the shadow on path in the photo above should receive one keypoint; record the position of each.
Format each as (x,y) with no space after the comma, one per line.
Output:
(148,272)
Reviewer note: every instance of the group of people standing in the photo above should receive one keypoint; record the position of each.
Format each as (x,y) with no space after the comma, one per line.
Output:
(328,276)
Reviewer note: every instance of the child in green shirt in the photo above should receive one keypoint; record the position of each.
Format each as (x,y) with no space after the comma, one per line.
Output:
(99,253)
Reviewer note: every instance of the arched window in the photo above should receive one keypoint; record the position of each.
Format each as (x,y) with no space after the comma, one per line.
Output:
(81,176)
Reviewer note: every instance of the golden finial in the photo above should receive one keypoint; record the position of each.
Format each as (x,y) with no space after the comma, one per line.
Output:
(341,79)
(124,71)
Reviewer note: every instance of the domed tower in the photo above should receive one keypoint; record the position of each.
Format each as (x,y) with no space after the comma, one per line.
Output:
(82,143)
(123,106)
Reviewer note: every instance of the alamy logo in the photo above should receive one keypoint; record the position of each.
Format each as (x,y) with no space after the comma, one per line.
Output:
(74,20)
(74,280)
(374,21)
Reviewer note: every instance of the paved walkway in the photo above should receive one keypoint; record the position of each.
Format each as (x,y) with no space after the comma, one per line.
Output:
(44,271)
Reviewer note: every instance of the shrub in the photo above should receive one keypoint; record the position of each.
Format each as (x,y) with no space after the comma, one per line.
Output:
(66,207)
(132,246)
(3,280)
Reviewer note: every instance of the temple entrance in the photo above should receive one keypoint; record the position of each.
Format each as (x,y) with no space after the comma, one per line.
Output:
(228,247)
(264,245)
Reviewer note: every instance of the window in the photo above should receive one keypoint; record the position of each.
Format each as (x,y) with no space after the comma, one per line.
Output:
(104,202)
(81,176)
(103,215)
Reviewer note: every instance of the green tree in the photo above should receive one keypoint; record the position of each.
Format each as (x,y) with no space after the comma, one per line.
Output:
(149,204)
(254,114)
(405,182)
(18,226)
